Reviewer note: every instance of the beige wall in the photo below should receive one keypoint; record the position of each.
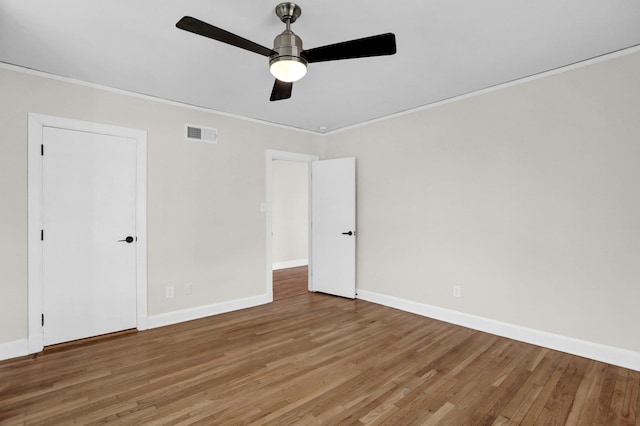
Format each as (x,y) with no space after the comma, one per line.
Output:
(290,211)
(527,197)
(205,227)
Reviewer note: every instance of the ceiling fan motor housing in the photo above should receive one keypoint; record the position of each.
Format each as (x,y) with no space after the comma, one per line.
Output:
(288,46)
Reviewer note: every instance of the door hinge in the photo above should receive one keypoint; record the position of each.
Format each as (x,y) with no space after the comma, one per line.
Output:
(42,235)
(42,319)
(41,149)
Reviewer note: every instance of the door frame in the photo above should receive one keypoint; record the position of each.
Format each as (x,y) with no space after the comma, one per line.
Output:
(286,156)
(35,305)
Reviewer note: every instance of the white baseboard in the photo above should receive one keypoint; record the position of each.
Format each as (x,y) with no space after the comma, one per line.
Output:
(14,349)
(155,321)
(609,354)
(143,322)
(290,264)
(19,348)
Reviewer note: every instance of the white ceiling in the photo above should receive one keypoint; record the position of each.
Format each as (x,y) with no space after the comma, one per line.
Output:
(445,49)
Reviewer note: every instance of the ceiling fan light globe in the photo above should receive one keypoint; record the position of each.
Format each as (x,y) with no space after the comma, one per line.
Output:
(288,70)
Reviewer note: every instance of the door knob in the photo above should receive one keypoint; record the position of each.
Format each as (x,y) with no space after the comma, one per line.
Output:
(347,233)
(129,239)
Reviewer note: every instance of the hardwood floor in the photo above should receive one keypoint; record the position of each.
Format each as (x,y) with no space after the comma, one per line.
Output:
(314,359)
(290,282)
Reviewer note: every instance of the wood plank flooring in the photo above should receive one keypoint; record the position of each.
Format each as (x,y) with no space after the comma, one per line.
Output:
(314,359)
(290,282)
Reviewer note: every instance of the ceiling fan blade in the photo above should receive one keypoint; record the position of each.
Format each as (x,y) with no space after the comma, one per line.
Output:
(199,27)
(378,45)
(281,90)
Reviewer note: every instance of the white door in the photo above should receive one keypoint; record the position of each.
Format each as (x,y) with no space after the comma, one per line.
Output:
(333,227)
(89,202)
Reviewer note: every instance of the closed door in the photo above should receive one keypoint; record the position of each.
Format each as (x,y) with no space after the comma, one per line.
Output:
(89,236)
(333,227)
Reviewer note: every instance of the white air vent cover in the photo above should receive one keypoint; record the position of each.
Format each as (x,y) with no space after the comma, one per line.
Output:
(200,133)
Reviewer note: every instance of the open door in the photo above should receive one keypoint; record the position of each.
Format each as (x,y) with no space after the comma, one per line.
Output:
(333,227)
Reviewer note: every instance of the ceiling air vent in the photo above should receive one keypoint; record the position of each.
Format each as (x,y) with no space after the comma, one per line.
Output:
(201,134)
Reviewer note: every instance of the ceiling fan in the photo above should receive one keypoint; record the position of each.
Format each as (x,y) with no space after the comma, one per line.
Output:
(288,60)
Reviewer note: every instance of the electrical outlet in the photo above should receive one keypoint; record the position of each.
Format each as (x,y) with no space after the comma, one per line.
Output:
(457,291)
(169,292)
(188,289)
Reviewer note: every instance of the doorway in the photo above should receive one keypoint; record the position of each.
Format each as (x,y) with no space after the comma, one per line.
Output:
(283,250)
(87,230)
(290,227)
(331,236)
